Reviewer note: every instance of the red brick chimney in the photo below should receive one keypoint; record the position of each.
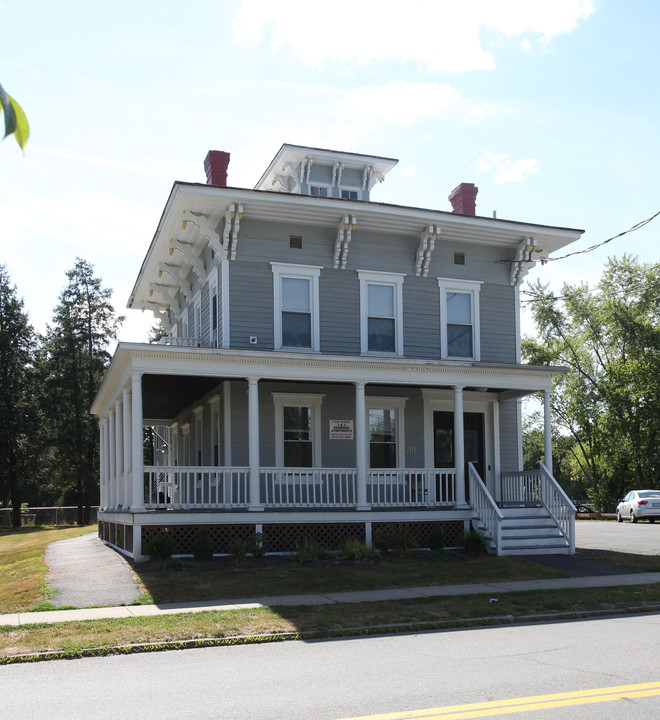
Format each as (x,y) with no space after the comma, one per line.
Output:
(463,199)
(216,164)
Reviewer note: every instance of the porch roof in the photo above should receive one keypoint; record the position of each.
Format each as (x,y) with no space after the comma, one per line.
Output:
(173,377)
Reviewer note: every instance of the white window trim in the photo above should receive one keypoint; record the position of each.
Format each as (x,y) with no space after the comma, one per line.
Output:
(282,400)
(213,291)
(199,436)
(395,280)
(307,272)
(389,403)
(472,288)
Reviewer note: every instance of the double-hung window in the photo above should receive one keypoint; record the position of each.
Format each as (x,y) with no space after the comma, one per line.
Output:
(381,312)
(459,313)
(385,432)
(297,430)
(296,303)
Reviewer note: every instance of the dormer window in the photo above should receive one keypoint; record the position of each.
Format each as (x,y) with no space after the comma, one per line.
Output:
(318,191)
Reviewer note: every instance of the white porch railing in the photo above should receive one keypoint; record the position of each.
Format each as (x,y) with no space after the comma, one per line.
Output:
(485,508)
(178,487)
(196,487)
(308,488)
(411,487)
(538,487)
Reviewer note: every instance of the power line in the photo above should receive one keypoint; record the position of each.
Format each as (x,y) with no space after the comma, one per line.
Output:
(638,226)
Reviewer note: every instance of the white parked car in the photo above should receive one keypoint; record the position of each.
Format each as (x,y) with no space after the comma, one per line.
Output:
(639,504)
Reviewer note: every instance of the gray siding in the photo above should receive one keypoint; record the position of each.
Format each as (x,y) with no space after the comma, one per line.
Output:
(510,438)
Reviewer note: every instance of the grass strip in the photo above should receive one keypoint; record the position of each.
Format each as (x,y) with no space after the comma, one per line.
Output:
(113,636)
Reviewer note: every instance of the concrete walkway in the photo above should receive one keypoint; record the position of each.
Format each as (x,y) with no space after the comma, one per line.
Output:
(85,571)
(492,588)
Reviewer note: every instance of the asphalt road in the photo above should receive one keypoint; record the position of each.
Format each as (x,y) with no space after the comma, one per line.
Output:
(642,538)
(349,678)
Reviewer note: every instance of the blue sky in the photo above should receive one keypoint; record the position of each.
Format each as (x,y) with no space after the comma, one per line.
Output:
(550,107)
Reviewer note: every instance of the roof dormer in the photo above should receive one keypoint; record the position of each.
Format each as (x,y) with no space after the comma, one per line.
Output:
(324,173)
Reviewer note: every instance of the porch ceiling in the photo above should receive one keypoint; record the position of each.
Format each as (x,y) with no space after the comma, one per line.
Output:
(165,396)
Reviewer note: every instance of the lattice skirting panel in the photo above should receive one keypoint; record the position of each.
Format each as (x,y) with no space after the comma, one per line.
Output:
(284,537)
(452,531)
(184,536)
(116,534)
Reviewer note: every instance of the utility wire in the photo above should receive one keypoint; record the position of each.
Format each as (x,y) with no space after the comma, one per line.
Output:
(614,237)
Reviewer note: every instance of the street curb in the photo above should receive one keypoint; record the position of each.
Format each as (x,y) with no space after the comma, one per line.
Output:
(391,628)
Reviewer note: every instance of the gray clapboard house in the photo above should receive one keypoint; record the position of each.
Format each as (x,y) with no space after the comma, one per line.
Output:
(332,366)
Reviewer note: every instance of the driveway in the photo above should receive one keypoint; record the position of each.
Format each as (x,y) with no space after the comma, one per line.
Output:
(642,538)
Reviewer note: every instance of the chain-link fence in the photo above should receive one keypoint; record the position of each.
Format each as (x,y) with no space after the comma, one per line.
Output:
(46,516)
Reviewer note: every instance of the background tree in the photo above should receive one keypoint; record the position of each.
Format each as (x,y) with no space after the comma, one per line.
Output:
(17,406)
(609,401)
(16,122)
(73,362)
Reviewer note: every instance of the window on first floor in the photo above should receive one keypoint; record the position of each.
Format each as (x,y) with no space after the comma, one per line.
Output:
(385,432)
(297,430)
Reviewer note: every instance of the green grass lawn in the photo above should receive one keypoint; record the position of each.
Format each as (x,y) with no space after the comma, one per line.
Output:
(22,588)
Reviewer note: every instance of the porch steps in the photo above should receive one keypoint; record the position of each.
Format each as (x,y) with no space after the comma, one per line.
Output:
(531,531)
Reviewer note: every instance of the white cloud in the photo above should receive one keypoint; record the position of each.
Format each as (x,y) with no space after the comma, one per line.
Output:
(442,36)
(399,103)
(505,170)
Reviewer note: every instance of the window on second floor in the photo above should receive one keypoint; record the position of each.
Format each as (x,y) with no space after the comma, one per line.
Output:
(318,191)
(296,306)
(349,194)
(381,312)
(459,323)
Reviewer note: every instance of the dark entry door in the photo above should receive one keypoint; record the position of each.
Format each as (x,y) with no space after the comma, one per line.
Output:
(473,442)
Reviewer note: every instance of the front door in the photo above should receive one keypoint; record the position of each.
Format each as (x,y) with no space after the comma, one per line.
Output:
(473,442)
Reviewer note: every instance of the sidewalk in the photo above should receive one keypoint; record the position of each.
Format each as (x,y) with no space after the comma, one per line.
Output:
(492,588)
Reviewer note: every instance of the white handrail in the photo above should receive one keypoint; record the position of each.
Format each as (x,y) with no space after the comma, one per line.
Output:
(485,507)
(560,506)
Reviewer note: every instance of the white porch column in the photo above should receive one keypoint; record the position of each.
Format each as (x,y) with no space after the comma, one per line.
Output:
(137,456)
(126,406)
(547,430)
(361,446)
(119,453)
(112,458)
(103,475)
(459,445)
(253,443)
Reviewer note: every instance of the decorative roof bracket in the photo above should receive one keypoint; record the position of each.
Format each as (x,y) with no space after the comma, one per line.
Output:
(160,313)
(177,280)
(233,217)
(523,262)
(186,249)
(425,250)
(203,229)
(167,299)
(344,230)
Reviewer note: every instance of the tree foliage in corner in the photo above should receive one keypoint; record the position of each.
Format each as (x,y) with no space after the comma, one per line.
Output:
(16,402)
(16,122)
(74,360)
(609,401)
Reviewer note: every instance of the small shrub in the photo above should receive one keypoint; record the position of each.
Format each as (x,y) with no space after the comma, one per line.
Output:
(258,547)
(173,565)
(160,547)
(474,543)
(353,549)
(239,549)
(202,549)
(397,539)
(308,550)
(436,538)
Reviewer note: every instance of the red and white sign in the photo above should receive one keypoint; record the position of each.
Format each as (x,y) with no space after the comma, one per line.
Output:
(341,429)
